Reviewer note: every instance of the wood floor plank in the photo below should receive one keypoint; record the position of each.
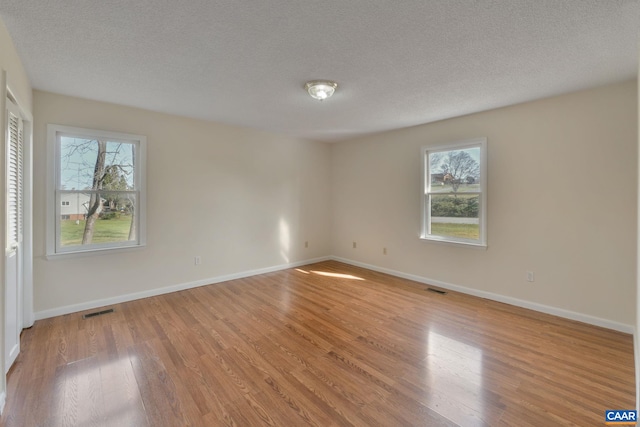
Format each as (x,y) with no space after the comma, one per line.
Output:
(157,387)
(326,344)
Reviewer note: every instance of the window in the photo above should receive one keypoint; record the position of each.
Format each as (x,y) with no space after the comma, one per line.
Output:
(96,190)
(454,192)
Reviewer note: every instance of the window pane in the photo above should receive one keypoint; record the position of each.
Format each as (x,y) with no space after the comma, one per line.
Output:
(81,159)
(111,220)
(455,170)
(455,216)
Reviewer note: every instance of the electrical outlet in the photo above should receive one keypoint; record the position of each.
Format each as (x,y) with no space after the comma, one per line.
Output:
(354,245)
(384,251)
(196,260)
(530,276)
(306,243)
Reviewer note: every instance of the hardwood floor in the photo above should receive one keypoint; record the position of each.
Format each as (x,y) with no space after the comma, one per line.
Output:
(327,345)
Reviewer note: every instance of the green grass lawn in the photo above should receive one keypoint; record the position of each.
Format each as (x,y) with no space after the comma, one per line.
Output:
(466,231)
(106,231)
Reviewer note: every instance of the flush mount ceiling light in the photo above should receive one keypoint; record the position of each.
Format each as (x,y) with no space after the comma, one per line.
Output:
(321,89)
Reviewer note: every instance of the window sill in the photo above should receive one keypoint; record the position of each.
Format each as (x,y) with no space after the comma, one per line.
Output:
(92,252)
(455,243)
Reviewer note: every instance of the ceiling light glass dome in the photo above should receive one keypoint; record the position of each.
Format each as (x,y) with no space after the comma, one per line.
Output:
(321,89)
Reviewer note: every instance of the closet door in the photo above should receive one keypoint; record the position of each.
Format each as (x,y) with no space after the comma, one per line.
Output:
(13,247)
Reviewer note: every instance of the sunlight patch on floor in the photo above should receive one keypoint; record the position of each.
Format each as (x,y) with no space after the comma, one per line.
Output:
(337,275)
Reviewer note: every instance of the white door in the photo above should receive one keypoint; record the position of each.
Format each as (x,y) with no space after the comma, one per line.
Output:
(13,249)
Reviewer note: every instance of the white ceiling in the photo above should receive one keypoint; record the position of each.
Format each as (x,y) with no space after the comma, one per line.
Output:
(397,63)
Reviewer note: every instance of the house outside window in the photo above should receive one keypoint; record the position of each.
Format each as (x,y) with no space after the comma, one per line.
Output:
(454,192)
(96,190)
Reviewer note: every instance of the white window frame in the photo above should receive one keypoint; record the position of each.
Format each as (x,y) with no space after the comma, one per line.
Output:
(426,192)
(54,132)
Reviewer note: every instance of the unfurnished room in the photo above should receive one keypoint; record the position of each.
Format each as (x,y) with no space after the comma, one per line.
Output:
(338,213)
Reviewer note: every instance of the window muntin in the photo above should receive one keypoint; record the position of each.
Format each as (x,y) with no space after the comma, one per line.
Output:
(454,199)
(97,193)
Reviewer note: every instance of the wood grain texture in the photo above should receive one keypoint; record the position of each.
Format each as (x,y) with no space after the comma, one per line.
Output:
(324,345)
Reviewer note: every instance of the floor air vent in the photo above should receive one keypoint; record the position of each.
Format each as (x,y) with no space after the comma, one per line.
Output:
(97,313)
(437,291)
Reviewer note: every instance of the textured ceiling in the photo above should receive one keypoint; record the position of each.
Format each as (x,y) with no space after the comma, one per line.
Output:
(397,63)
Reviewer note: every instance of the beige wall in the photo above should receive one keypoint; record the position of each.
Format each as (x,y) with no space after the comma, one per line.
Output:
(562,190)
(240,199)
(18,82)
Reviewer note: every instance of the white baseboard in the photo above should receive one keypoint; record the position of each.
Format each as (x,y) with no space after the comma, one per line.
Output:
(3,399)
(59,311)
(585,318)
(567,314)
